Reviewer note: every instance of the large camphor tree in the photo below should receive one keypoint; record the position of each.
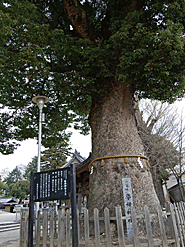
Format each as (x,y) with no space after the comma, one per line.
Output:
(93,59)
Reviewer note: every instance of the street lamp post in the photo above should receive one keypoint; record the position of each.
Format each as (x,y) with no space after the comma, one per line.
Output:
(40,101)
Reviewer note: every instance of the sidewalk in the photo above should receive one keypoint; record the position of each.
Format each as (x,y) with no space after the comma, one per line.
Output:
(11,243)
(9,238)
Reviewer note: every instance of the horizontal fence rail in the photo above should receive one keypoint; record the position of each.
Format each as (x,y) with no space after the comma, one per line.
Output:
(53,229)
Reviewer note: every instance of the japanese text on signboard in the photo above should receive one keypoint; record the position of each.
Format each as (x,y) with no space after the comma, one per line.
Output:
(51,185)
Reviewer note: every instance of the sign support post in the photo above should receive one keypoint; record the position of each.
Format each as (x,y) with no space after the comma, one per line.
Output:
(73,206)
(31,213)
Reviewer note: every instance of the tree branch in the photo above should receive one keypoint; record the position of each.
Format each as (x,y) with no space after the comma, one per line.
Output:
(77,16)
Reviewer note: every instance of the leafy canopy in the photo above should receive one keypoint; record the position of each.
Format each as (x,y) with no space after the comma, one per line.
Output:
(13,177)
(3,188)
(20,189)
(52,158)
(73,51)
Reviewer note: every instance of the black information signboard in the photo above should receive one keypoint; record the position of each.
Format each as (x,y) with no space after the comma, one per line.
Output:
(59,184)
(51,185)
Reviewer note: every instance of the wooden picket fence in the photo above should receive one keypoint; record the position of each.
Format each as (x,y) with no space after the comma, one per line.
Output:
(54,230)
(180,219)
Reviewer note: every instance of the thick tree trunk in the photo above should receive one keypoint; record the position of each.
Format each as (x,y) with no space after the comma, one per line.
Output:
(114,132)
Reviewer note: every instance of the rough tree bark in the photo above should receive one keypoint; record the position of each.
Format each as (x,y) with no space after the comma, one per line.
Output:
(114,132)
(155,154)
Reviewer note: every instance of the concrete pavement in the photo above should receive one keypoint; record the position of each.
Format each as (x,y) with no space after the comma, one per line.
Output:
(9,238)
(5,216)
(13,243)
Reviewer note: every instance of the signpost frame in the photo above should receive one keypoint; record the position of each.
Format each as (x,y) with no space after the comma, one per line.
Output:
(53,185)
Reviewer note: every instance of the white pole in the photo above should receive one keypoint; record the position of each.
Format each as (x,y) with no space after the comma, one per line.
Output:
(39,140)
(39,100)
(39,149)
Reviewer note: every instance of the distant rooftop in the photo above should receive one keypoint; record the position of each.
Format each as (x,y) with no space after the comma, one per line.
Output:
(4,200)
(78,160)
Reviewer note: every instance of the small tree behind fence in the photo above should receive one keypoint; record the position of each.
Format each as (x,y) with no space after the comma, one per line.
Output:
(54,229)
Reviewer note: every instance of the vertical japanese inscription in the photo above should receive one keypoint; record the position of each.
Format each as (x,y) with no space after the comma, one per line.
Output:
(52,185)
(41,181)
(128,202)
(49,184)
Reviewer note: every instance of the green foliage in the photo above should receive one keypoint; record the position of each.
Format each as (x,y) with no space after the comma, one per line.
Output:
(138,43)
(55,157)
(13,177)
(31,167)
(164,175)
(52,158)
(3,188)
(20,189)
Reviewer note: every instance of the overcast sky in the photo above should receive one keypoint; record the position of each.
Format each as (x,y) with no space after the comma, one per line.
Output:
(29,148)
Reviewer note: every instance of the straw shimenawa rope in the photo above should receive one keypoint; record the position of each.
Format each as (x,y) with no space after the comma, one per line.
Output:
(119,156)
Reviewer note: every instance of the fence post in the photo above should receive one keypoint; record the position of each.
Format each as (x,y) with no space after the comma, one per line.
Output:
(97,227)
(119,221)
(176,235)
(78,224)
(79,202)
(169,222)
(51,228)
(107,227)
(68,228)
(21,229)
(45,226)
(61,227)
(179,225)
(24,228)
(183,211)
(162,227)
(134,227)
(179,211)
(148,227)
(86,227)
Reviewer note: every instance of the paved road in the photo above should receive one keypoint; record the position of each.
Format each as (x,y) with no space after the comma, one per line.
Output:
(9,238)
(4,216)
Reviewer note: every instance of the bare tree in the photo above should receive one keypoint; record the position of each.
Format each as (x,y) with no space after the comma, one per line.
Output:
(179,170)
(4,172)
(158,125)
